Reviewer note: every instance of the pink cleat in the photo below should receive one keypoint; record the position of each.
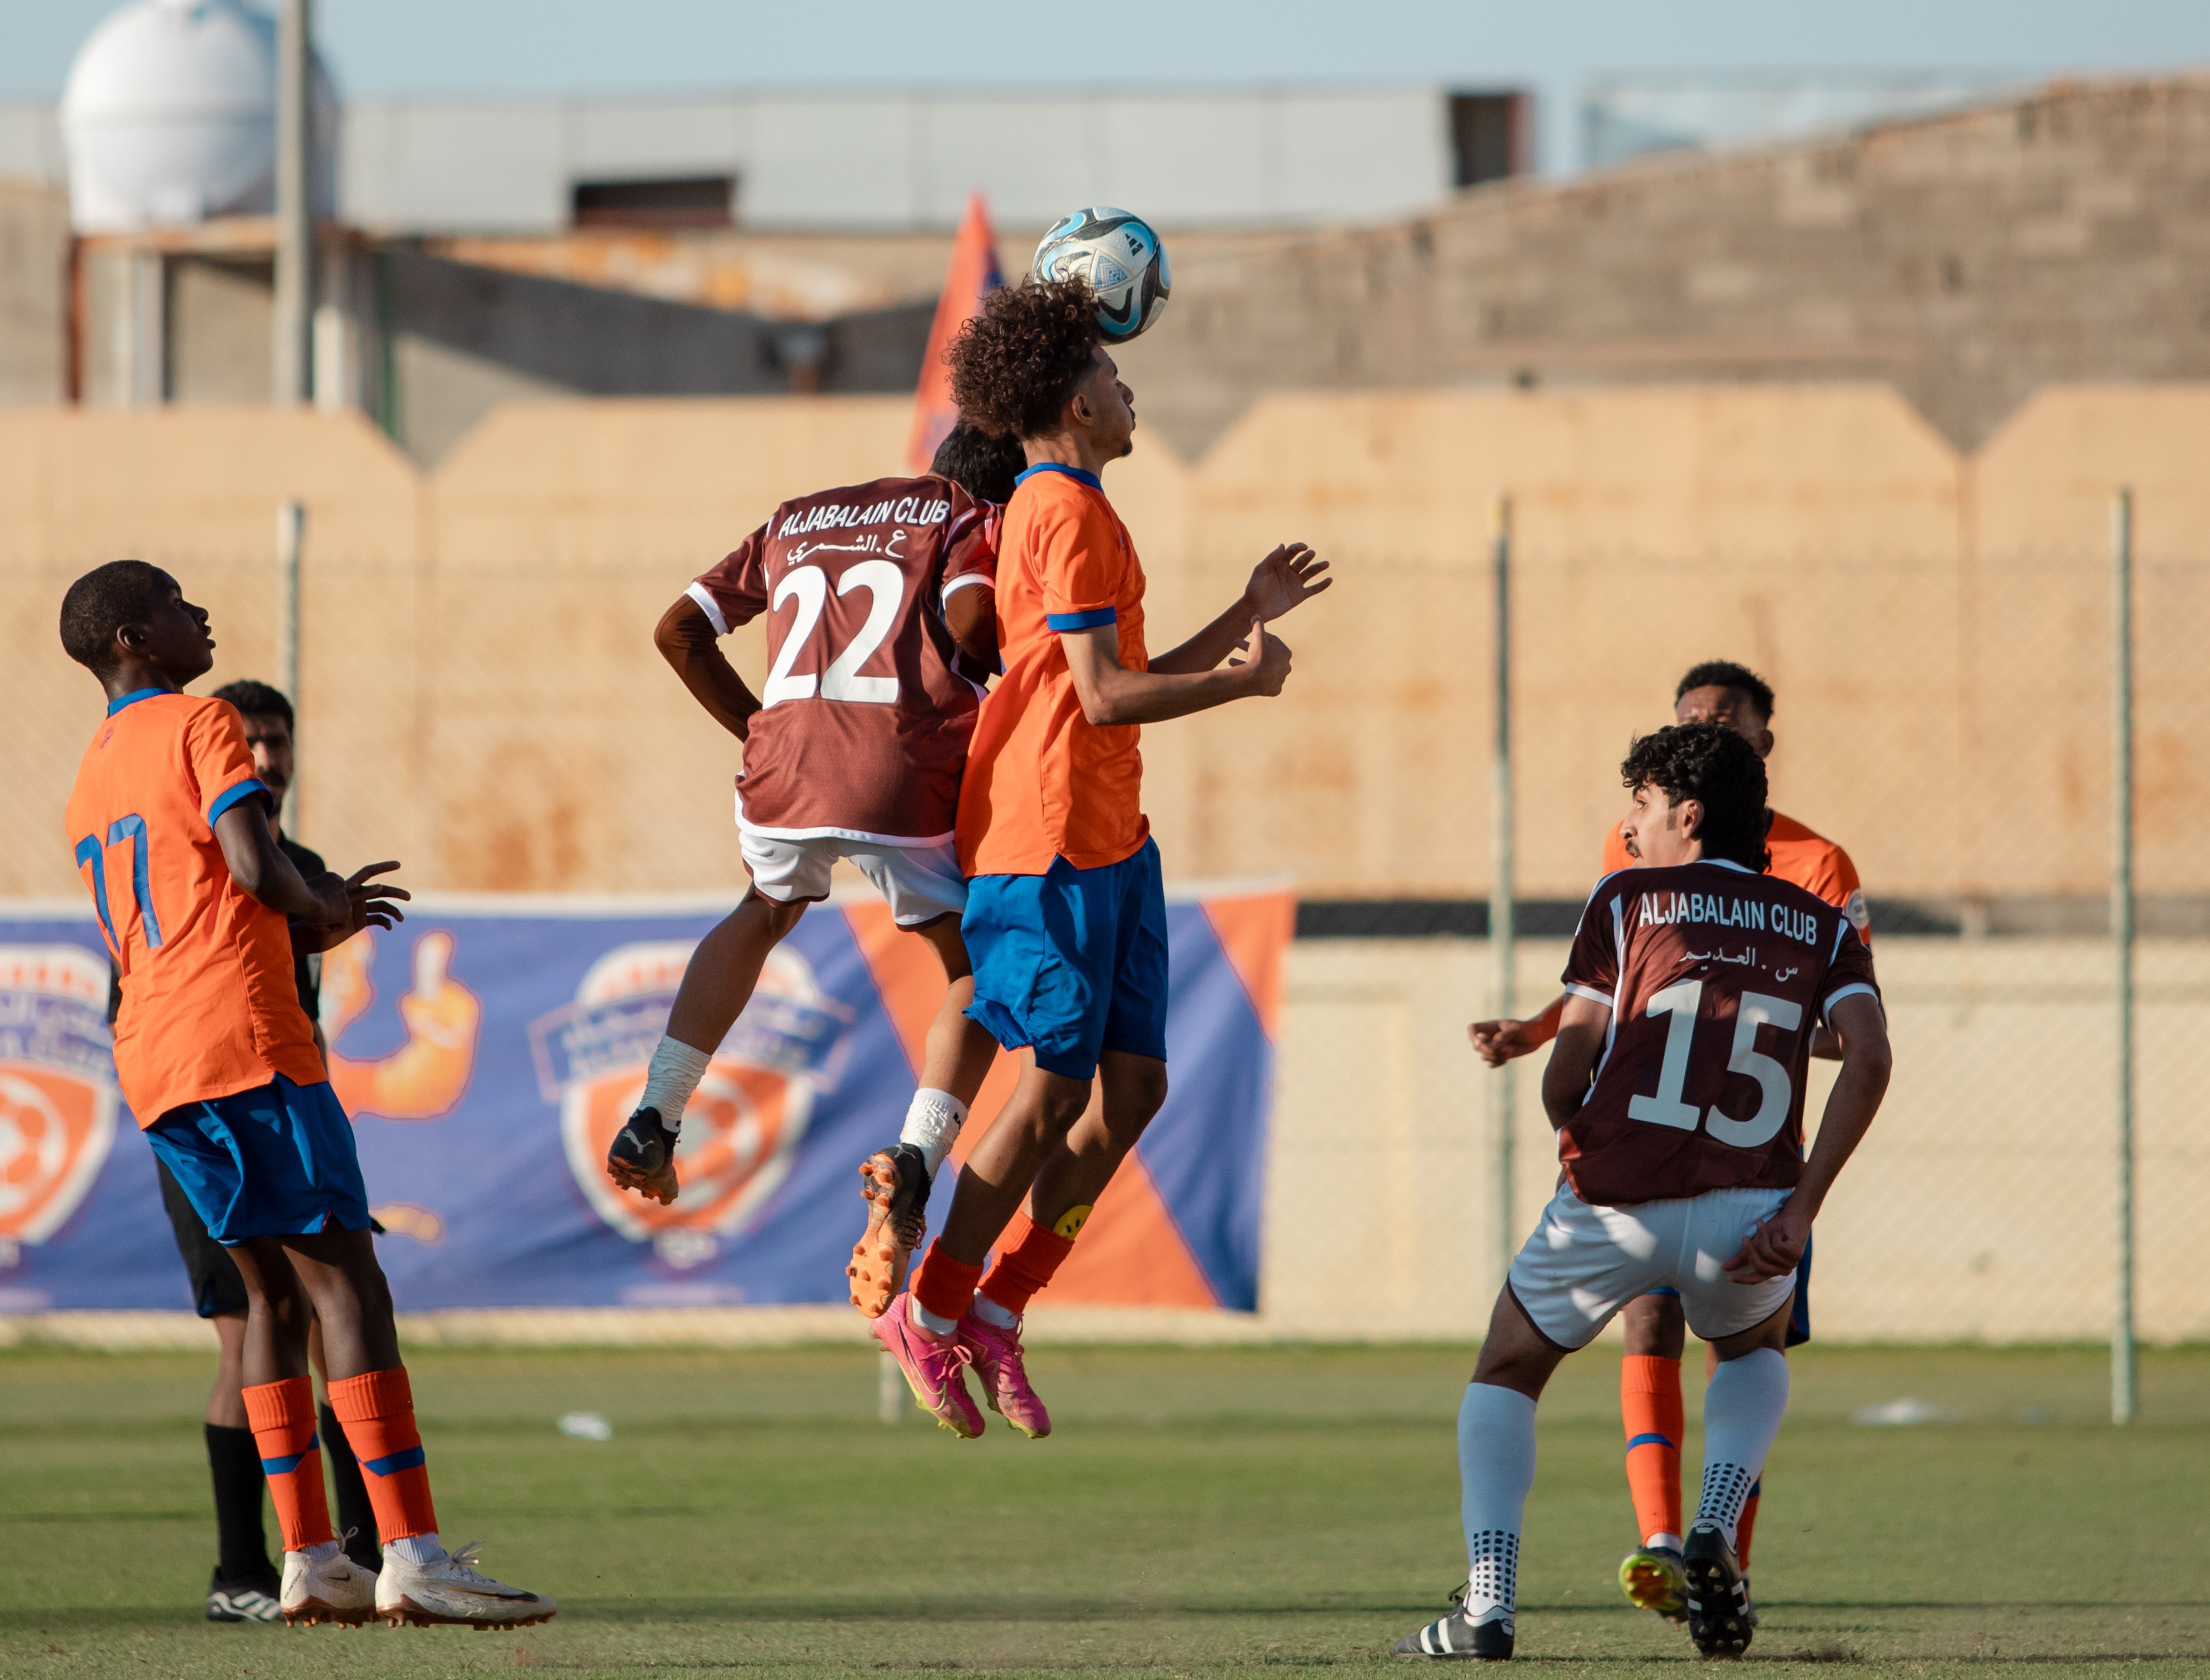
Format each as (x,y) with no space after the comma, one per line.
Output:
(998,1360)
(931,1365)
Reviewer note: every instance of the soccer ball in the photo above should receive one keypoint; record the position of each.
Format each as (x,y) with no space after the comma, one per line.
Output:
(1121,257)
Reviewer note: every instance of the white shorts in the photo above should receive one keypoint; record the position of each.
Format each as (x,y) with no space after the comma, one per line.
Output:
(1583,1264)
(921,882)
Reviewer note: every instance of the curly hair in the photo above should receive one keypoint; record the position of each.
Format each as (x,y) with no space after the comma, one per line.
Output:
(1711,763)
(1015,366)
(101,603)
(983,466)
(1725,673)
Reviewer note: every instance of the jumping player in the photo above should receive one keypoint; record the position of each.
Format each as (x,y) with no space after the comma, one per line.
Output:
(854,750)
(1065,920)
(1716,691)
(171,828)
(1676,1085)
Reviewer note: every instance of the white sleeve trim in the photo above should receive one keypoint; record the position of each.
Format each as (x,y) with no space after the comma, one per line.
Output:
(965,580)
(1590,994)
(1827,1008)
(704,597)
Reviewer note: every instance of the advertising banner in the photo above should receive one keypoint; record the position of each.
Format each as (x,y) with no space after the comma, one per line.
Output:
(488,1054)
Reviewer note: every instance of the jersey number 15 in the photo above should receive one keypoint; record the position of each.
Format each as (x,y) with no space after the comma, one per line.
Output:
(1775,1093)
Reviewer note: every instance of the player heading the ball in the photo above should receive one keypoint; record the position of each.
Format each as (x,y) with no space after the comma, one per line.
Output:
(1066,916)
(1677,1087)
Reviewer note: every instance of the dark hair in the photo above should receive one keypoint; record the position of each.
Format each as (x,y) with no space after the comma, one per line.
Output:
(101,603)
(258,699)
(1725,673)
(983,466)
(1711,763)
(1015,366)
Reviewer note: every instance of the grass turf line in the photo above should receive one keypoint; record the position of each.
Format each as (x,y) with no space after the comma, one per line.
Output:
(1200,1512)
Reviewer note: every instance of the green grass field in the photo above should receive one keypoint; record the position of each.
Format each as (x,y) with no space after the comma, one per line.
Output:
(1197,1511)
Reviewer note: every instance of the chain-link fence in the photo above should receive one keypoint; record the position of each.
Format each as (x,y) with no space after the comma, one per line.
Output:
(480,698)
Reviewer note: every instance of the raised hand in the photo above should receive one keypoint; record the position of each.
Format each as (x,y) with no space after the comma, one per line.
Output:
(371,903)
(1499,1041)
(1287,578)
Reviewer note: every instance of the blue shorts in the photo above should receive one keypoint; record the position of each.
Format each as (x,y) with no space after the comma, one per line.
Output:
(1799,1307)
(1072,963)
(275,1161)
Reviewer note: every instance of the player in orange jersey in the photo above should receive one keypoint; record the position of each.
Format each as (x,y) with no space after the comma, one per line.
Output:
(1066,918)
(171,828)
(872,595)
(1716,691)
(1676,1089)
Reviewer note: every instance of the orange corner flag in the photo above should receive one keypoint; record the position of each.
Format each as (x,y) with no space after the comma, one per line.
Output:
(973,276)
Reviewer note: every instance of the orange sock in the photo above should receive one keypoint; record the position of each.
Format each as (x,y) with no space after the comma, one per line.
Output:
(1745,1523)
(282,1414)
(1650,1406)
(377,1410)
(945,1286)
(1025,1262)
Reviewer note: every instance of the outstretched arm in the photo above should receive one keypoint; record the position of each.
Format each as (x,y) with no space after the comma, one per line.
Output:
(686,640)
(262,871)
(1499,1041)
(1285,579)
(1111,693)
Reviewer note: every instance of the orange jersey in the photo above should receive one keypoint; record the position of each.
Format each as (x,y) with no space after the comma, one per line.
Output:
(1043,781)
(1799,857)
(209,1008)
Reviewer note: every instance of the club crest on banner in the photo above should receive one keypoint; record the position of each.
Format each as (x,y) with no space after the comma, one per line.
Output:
(745,1122)
(57,1095)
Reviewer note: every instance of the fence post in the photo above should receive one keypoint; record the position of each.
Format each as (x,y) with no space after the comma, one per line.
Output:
(2122,1396)
(1503,943)
(890,1388)
(291,530)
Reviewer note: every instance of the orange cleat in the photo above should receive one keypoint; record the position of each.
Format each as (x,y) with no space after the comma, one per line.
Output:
(895,1181)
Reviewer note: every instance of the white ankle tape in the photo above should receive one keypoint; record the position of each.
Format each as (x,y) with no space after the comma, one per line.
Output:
(672,1075)
(932,1120)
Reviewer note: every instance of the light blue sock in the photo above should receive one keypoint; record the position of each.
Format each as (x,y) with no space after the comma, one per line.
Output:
(1742,1409)
(1496,1469)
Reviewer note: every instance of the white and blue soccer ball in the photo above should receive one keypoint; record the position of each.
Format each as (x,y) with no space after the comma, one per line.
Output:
(1121,256)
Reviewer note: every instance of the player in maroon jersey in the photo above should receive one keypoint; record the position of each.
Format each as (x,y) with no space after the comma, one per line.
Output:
(1676,1085)
(852,749)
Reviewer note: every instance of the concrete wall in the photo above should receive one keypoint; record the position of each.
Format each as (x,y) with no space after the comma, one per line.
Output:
(1935,625)
(1969,258)
(33,267)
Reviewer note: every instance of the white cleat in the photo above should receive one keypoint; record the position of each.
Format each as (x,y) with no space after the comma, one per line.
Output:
(451,1593)
(326,1589)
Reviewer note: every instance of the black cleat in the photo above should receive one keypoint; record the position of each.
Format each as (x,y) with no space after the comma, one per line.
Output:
(895,1181)
(1720,1620)
(643,1157)
(249,1598)
(1458,1636)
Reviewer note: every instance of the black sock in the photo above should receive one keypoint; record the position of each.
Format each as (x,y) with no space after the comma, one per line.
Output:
(240,1486)
(355,1514)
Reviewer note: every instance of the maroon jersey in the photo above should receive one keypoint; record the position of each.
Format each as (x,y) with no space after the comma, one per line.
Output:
(864,718)
(1715,978)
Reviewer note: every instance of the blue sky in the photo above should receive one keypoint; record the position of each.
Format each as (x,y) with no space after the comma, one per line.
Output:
(1552,46)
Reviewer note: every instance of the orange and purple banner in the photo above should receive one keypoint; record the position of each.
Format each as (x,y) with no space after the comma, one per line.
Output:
(488,1055)
(973,275)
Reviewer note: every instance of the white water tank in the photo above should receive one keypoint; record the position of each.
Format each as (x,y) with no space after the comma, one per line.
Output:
(169,117)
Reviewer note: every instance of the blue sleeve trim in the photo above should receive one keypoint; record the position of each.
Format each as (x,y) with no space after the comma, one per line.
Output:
(1096,618)
(230,796)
